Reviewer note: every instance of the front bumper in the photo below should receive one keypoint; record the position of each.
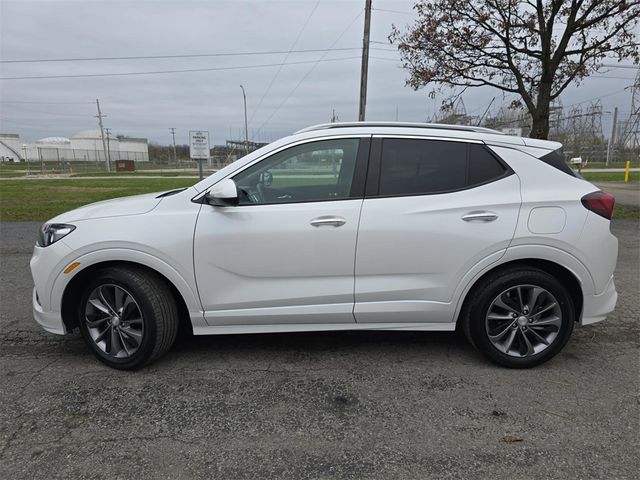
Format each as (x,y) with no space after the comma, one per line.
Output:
(46,265)
(50,321)
(596,307)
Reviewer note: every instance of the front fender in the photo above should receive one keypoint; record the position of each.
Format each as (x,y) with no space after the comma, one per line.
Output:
(134,256)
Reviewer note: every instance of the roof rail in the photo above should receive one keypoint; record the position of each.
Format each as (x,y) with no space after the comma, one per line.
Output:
(438,126)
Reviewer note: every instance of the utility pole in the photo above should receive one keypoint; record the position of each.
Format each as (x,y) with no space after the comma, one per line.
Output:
(334,117)
(612,138)
(365,61)
(175,157)
(108,130)
(26,156)
(246,126)
(104,145)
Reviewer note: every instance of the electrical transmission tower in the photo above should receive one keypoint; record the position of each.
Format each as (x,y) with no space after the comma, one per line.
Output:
(555,120)
(454,114)
(629,136)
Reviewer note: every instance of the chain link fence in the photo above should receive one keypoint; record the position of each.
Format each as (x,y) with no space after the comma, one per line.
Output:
(45,161)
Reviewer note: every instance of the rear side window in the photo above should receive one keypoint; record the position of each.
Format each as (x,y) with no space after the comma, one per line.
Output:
(483,166)
(556,160)
(421,167)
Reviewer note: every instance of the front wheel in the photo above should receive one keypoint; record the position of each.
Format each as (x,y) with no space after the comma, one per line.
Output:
(128,317)
(519,318)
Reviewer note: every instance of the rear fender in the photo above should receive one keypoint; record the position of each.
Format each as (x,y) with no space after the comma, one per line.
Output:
(524,253)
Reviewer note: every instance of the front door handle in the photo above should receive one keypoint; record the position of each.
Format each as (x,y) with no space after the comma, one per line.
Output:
(480,216)
(329,220)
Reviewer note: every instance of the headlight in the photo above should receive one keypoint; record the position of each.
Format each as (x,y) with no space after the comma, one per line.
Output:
(52,232)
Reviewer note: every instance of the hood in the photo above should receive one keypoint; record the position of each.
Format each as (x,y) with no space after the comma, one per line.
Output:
(117,207)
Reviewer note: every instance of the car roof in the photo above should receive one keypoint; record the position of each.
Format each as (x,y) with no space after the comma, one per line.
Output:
(393,125)
(462,132)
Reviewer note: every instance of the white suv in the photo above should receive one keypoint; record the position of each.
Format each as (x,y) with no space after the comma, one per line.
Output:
(361,226)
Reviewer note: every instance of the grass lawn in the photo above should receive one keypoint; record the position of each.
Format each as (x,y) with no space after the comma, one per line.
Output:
(11,173)
(634,177)
(634,164)
(40,200)
(22,200)
(164,173)
(620,211)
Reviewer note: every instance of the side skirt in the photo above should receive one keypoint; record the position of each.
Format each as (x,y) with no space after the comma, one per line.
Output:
(322,327)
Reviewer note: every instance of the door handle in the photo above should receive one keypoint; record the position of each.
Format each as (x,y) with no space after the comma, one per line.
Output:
(480,216)
(328,220)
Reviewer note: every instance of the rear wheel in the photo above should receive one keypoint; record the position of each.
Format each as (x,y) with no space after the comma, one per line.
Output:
(128,317)
(519,318)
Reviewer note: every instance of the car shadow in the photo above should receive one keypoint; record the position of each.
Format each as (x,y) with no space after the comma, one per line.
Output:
(322,341)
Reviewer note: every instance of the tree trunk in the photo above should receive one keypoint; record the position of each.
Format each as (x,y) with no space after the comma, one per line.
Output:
(540,114)
(540,126)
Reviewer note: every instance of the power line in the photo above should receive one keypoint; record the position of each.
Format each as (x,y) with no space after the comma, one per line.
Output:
(158,72)
(635,67)
(44,103)
(293,45)
(26,109)
(187,55)
(610,77)
(389,59)
(386,10)
(615,92)
(315,64)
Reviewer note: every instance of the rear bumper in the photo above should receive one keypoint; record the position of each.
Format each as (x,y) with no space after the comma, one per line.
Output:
(596,307)
(50,321)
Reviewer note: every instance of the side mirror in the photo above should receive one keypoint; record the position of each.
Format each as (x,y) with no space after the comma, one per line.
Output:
(223,194)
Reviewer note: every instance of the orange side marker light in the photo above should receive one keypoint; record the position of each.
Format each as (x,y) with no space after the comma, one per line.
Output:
(71,267)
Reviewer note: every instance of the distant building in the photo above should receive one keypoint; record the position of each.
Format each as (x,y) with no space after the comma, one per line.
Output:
(90,140)
(52,149)
(10,148)
(132,148)
(83,146)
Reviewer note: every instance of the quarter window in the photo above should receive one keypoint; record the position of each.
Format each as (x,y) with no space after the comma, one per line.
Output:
(316,171)
(483,166)
(419,167)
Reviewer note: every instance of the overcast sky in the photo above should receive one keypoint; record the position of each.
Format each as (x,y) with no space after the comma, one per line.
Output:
(147,105)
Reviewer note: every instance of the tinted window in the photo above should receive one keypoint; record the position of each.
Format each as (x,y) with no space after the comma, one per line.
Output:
(421,166)
(483,166)
(313,171)
(555,160)
(415,167)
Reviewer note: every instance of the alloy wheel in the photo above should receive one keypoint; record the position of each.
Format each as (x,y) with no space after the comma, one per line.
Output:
(114,321)
(523,320)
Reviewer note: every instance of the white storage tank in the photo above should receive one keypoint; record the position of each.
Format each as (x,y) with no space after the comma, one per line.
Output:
(54,149)
(132,148)
(10,148)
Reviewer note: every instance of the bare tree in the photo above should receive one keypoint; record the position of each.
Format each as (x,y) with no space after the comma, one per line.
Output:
(531,48)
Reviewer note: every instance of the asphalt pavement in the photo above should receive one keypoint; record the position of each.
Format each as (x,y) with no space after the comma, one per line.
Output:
(627,194)
(348,405)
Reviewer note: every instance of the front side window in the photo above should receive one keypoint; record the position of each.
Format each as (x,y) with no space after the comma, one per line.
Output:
(422,167)
(316,171)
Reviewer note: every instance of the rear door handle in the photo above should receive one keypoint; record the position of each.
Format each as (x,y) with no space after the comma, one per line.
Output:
(328,220)
(480,216)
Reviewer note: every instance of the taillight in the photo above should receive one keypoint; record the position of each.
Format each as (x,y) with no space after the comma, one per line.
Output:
(600,203)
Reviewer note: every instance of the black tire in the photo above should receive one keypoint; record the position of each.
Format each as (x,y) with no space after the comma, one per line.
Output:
(156,305)
(480,299)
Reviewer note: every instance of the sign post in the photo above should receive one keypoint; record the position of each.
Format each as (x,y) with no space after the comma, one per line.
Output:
(199,147)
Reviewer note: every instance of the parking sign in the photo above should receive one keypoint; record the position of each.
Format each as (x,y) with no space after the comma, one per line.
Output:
(198,144)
